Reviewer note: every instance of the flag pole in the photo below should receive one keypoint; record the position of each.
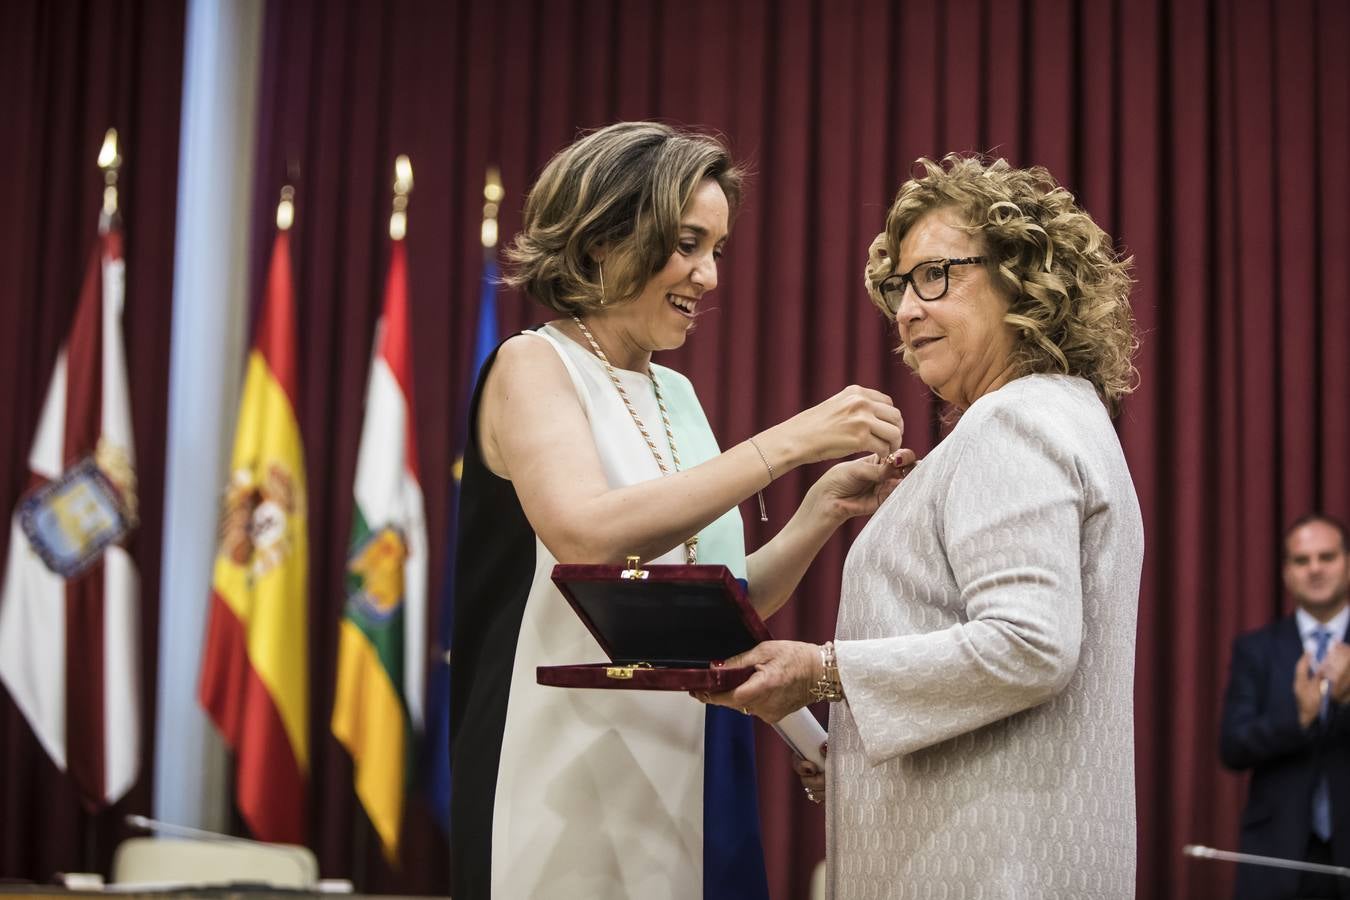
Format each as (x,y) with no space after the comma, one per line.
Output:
(493,194)
(403,185)
(110,161)
(286,208)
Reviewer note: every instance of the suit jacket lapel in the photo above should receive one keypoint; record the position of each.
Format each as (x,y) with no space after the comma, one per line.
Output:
(1288,645)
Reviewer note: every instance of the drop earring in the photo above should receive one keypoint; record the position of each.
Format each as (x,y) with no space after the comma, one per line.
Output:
(601,266)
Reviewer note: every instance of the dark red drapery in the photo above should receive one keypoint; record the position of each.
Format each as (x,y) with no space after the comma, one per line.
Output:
(71,71)
(1209,137)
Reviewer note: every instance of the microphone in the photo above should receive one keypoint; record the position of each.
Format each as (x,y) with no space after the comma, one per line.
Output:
(145,823)
(301,857)
(1274,862)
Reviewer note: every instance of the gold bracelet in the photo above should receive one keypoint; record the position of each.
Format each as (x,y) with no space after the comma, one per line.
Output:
(828,686)
(763,514)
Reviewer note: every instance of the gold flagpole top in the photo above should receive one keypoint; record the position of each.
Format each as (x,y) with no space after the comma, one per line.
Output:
(286,208)
(493,194)
(403,185)
(110,161)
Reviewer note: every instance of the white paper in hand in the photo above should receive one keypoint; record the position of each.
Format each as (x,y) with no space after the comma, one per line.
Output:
(803,734)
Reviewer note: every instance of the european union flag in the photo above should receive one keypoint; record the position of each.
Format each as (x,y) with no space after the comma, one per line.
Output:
(437,750)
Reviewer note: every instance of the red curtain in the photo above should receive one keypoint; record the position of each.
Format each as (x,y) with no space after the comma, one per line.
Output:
(1209,136)
(72,70)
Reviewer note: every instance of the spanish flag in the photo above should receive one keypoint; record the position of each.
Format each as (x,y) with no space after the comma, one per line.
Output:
(255,672)
(381,640)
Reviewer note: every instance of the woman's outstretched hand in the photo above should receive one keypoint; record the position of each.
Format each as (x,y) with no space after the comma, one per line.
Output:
(859,486)
(855,420)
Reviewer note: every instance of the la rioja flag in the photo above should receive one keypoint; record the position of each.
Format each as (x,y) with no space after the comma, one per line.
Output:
(377,710)
(69,608)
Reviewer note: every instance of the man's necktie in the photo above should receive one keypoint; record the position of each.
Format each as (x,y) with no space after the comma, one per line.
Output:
(1321,799)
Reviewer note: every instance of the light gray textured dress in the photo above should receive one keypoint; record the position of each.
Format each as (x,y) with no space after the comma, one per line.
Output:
(986,647)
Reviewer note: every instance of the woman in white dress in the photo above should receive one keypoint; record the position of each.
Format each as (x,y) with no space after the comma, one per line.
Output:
(585,451)
(981,729)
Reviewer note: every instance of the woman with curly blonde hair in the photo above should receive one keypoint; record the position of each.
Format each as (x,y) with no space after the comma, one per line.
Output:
(981,734)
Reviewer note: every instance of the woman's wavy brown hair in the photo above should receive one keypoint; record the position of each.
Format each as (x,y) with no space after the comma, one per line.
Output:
(1069,288)
(623,188)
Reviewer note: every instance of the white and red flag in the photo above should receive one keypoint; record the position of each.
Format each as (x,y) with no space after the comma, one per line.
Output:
(69,608)
(378,704)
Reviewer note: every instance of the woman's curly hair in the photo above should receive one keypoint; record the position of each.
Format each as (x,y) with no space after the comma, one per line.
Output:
(1069,288)
(624,188)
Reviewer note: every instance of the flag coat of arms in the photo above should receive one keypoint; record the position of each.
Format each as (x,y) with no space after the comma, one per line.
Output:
(255,669)
(69,605)
(378,707)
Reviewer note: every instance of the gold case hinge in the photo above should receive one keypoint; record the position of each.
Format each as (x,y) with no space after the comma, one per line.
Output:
(633,572)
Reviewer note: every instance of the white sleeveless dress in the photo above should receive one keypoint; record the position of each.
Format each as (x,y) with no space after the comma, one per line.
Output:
(600,793)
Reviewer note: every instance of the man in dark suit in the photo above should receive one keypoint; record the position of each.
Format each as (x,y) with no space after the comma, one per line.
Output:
(1286,716)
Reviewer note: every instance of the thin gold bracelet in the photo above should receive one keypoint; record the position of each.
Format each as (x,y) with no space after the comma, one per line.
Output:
(763,513)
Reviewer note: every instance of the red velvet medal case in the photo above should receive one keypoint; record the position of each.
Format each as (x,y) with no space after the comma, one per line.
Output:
(665,628)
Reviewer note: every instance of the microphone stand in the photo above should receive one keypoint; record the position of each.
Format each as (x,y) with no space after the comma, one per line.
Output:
(1274,862)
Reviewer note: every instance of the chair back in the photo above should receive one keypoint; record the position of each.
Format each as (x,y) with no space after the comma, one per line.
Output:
(158,860)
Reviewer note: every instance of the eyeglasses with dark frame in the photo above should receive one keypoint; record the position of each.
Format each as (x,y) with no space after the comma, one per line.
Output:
(928,278)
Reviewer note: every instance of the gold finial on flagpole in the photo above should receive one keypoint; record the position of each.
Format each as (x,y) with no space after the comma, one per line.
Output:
(110,161)
(493,194)
(403,185)
(286,208)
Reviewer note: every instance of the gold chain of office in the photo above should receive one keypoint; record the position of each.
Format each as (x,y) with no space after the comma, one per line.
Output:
(690,544)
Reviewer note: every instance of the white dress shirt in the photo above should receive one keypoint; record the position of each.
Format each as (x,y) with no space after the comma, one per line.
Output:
(1308,625)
